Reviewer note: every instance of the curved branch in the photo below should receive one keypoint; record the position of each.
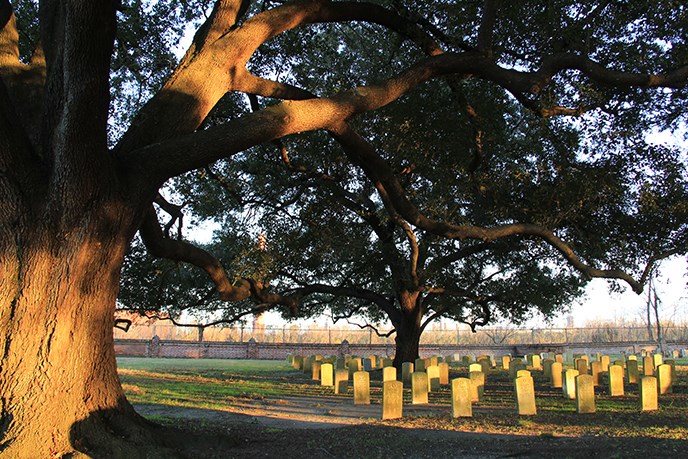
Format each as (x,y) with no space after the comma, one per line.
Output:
(372,327)
(212,68)
(178,250)
(170,158)
(175,213)
(352,292)
(363,154)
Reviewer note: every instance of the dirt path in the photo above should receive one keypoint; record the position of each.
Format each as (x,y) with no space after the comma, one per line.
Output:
(333,427)
(302,412)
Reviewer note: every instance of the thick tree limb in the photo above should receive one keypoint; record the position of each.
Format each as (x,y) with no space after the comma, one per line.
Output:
(210,68)
(364,155)
(179,250)
(171,158)
(9,37)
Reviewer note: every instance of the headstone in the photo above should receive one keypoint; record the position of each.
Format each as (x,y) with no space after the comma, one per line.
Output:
(556,378)
(657,359)
(632,371)
(506,360)
(664,383)
(419,365)
(340,364)
(648,393)
(419,387)
(672,364)
(632,357)
(604,361)
(389,374)
(477,379)
(361,388)
(317,357)
(485,364)
(444,373)
(585,394)
(536,362)
(581,365)
(514,366)
(327,375)
(373,361)
(525,396)
(341,381)
(559,358)
(595,370)
(648,366)
(466,360)
(521,373)
(406,371)
(475,367)
(392,399)
(433,372)
(616,382)
(569,383)
(433,361)
(461,398)
(547,368)
(315,370)
(367,364)
(387,362)
(297,362)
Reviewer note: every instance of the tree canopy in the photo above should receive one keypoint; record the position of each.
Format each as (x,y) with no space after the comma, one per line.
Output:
(519,134)
(572,175)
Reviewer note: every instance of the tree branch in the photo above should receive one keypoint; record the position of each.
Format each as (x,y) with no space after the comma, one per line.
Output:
(170,158)
(372,327)
(178,250)
(352,292)
(487,25)
(363,154)
(211,68)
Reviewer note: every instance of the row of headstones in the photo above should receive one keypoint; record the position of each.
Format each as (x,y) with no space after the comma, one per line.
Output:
(576,383)
(603,369)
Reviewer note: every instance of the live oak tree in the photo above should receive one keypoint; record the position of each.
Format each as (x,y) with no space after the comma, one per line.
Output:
(75,188)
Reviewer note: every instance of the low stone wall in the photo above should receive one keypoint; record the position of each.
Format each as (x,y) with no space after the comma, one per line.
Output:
(279,351)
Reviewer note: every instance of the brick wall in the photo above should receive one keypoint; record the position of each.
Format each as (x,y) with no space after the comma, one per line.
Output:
(279,351)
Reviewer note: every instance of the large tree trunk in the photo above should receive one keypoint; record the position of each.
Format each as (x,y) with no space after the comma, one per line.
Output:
(58,375)
(408,329)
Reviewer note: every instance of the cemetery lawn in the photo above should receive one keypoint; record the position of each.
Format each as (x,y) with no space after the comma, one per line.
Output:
(250,408)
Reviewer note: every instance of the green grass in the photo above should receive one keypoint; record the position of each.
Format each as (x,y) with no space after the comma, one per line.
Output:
(218,384)
(207,383)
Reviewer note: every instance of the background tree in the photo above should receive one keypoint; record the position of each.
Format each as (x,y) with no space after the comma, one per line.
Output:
(76,188)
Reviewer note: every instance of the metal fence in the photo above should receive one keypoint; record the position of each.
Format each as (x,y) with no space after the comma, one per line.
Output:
(458,335)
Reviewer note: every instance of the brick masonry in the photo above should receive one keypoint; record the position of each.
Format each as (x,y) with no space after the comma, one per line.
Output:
(278,351)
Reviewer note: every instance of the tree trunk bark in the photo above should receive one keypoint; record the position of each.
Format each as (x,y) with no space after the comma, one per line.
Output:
(408,330)
(60,392)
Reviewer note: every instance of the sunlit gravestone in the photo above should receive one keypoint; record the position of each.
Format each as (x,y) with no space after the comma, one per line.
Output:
(585,394)
(444,373)
(664,383)
(569,384)
(327,375)
(616,381)
(556,377)
(392,399)
(461,398)
(433,372)
(648,393)
(477,379)
(525,396)
(389,374)
(419,388)
(341,381)
(361,388)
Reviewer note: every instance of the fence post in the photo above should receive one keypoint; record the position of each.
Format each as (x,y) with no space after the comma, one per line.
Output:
(241,337)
